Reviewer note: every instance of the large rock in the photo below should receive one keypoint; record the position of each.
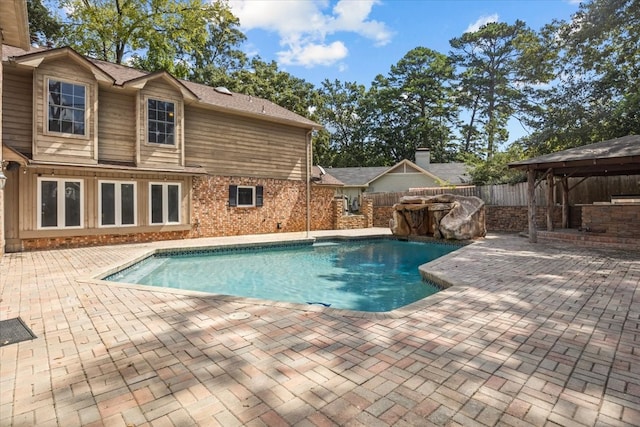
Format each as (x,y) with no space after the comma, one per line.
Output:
(442,216)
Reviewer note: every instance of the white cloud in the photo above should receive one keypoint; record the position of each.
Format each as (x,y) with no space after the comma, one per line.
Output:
(310,54)
(304,27)
(483,20)
(352,16)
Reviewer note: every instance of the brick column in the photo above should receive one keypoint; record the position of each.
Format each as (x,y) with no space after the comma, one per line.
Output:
(367,210)
(336,212)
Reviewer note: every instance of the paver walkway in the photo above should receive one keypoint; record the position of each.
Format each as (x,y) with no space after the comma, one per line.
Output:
(530,335)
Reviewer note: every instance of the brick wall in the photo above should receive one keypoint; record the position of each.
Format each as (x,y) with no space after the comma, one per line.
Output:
(322,215)
(351,222)
(515,218)
(498,218)
(283,210)
(284,203)
(382,216)
(614,220)
(102,239)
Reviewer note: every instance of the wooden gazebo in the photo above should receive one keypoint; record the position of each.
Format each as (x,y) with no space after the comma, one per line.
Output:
(619,156)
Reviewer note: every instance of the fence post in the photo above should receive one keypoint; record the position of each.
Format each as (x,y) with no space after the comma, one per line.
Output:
(550,200)
(531,187)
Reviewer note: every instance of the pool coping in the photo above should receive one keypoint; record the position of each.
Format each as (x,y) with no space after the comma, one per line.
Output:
(447,290)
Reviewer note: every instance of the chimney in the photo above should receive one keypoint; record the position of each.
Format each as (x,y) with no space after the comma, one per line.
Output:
(423,158)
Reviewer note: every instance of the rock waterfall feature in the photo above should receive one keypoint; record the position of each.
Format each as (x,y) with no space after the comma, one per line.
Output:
(444,216)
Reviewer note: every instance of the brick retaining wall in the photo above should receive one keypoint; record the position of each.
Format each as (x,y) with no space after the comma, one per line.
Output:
(515,218)
(614,220)
(350,222)
(498,218)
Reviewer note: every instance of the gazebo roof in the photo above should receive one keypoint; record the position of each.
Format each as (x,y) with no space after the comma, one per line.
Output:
(619,156)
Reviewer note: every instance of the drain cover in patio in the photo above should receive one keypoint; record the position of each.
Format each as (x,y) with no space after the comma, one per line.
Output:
(13,331)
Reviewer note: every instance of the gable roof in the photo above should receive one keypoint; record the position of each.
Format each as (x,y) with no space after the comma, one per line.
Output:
(321,177)
(140,82)
(205,96)
(453,173)
(618,156)
(358,176)
(34,58)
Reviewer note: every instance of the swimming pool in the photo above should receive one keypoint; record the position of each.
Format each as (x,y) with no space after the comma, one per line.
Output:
(374,275)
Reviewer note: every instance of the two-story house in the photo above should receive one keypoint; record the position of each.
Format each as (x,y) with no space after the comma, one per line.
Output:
(98,153)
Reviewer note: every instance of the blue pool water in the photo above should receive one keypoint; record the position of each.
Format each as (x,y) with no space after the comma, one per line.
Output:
(373,275)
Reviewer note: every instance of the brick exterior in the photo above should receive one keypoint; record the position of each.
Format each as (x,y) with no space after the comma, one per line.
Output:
(382,216)
(351,222)
(514,218)
(614,220)
(498,218)
(591,240)
(322,200)
(102,239)
(284,203)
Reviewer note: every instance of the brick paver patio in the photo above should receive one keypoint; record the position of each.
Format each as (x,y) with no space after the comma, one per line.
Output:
(530,335)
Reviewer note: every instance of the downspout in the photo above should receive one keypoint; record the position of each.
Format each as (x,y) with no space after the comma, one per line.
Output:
(309,161)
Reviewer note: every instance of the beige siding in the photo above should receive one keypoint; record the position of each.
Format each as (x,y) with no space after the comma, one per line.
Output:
(12,201)
(62,147)
(117,131)
(17,109)
(28,202)
(401,182)
(159,155)
(236,146)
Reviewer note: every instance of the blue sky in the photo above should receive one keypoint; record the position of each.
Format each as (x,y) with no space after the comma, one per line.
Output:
(355,40)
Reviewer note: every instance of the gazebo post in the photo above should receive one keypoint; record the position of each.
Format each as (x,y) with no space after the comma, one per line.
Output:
(531,189)
(550,200)
(565,202)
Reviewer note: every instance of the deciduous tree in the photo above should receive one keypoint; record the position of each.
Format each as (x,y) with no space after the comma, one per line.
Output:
(158,34)
(597,94)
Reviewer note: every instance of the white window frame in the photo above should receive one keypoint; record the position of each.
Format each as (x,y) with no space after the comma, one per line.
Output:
(60,202)
(253,196)
(84,135)
(118,203)
(175,122)
(165,204)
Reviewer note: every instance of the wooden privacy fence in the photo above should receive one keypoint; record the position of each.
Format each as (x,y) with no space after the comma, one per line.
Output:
(501,195)
(594,189)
